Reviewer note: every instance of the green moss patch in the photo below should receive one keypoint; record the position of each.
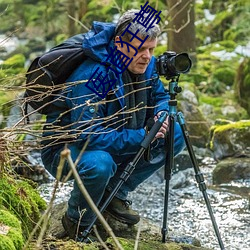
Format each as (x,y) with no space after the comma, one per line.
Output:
(22,200)
(231,138)
(10,231)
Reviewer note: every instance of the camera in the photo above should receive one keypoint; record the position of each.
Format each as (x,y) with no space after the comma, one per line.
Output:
(171,65)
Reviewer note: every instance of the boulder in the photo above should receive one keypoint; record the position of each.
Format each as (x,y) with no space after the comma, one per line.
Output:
(231,139)
(231,169)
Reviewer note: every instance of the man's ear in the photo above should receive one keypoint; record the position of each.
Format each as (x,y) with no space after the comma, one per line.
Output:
(116,40)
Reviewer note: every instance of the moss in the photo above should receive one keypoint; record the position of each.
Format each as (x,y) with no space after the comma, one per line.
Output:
(225,75)
(219,102)
(6,243)
(128,244)
(9,219)
(214,101)
(236,125)
(16,237)
(22,200)
(13,239)
(221,132)
(16,61)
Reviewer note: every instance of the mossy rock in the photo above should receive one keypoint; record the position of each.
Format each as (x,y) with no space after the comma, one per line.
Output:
(22,200)
(10,231)
(128,244)
(231,169)
(232,139)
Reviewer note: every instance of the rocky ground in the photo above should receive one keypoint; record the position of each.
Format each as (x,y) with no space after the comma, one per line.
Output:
(149,236)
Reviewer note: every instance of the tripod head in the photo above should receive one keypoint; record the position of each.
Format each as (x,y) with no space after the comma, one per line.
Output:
(174,89)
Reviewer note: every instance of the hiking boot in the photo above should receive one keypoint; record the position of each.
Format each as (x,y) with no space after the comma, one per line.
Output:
(121,211)
(75,231)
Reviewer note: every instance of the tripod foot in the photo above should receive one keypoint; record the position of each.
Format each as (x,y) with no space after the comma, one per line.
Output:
(164,232)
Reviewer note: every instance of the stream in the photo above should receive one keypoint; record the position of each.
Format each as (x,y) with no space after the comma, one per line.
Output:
(187,212)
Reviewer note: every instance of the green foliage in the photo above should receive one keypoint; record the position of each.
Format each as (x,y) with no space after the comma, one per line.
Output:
(229,22)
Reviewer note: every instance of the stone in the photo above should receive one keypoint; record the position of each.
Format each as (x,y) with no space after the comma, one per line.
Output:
(231,169)
(230,140)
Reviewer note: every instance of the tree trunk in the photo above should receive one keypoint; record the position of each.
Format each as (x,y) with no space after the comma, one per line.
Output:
(83,7)
(181,27)
(72,13)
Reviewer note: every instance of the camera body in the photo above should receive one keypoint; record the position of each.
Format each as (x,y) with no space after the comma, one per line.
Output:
(171,65)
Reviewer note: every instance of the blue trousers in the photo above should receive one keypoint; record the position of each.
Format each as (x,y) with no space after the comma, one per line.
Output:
(100,170)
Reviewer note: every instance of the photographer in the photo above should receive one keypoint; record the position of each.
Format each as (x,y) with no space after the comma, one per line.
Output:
(113,126)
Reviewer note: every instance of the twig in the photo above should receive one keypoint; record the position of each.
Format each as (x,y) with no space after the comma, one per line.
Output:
(77,21)
(137,236)
(45,217)
(99,238)
(66,154)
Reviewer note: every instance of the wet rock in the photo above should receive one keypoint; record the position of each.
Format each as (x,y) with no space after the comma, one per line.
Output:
(181,179)
(231,169)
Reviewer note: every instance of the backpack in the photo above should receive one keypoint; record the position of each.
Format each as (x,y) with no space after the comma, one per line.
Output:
(47,73)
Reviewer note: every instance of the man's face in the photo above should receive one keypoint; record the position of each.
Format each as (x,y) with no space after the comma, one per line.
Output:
(140,62)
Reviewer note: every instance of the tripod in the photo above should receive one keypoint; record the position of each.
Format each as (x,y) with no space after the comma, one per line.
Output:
(173,90)
(169,163)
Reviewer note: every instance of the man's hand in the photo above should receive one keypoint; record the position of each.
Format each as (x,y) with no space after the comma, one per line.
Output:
(164,128)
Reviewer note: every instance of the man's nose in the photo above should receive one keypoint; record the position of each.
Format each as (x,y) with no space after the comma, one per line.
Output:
(146,54)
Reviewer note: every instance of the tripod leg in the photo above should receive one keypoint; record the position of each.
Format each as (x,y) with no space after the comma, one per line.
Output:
(168,173)
(199,177)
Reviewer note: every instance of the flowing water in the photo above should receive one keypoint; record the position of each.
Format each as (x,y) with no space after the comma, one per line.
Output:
(187,212)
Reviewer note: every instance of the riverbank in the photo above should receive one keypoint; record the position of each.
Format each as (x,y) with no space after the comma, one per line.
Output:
(188,215)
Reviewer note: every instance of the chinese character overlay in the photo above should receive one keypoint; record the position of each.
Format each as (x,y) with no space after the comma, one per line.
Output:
(128,45)
(134,36)
(146,21)
(117,61)
(101,85)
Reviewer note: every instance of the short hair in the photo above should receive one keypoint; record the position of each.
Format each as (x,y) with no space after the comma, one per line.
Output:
(127,18)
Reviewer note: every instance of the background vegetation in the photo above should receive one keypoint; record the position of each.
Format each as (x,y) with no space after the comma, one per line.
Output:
(214,33)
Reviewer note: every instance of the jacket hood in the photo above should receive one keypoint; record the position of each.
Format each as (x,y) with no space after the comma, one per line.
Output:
(98,39)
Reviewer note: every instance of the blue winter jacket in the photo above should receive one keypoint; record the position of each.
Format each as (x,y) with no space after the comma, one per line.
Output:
(101,121)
